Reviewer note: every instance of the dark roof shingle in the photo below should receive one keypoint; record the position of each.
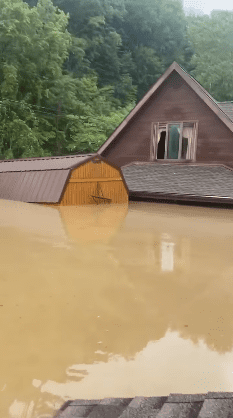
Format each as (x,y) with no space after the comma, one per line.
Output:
(180,179)
(206,405)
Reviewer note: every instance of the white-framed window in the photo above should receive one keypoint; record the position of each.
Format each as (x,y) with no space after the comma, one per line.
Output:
(174,140)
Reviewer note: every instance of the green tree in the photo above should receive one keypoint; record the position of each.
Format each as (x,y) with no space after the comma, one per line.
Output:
(22,133)
(156,24)
(91,114)
(148,69)
(33,45)
(92,22)
(212,40)
(31,88)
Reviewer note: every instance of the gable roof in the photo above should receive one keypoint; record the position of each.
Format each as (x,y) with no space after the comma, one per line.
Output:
(223,110)
(37,180)
(203,405)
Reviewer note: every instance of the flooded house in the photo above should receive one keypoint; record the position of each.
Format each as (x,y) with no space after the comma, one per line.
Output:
(62,181)
(177,143)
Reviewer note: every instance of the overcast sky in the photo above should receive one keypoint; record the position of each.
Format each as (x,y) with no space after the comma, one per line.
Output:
(206,6)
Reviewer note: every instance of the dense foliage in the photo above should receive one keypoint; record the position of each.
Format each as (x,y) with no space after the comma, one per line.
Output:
(71,70)
(212,62)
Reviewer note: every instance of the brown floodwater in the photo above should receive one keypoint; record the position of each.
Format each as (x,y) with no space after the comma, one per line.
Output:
(113,301)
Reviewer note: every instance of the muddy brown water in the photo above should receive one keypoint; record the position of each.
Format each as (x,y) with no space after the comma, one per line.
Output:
(113,301)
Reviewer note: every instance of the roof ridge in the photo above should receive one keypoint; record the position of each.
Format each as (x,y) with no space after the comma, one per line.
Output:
(47,158)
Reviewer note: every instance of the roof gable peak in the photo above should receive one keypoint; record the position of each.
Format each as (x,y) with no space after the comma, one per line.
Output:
(193,84)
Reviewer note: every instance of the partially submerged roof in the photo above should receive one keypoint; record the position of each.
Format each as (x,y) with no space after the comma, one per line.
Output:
(211,404)
(38,180)
(223,110)
(190,181)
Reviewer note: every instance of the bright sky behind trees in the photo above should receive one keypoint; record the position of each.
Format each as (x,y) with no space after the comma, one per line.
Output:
(206,6)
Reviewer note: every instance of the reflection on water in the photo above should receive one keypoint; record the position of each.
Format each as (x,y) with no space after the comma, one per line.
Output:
(167,255)
(104,301)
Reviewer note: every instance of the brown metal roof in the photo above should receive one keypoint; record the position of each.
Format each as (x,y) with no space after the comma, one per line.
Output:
(176,405)
(33,186)
(37,180)
(199,90)
(43,163)
(204,182)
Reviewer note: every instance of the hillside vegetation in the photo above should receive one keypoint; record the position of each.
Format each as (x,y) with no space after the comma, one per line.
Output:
(72,70)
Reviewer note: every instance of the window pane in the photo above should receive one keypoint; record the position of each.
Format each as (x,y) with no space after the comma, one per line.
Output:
(187,138)
(161,145)
(184,148)
(173,141)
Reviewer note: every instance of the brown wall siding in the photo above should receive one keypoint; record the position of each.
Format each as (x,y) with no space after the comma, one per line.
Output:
(80,192)
(173,101)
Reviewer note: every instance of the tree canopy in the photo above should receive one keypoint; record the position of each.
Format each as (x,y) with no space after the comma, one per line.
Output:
(44,109)
(212,62)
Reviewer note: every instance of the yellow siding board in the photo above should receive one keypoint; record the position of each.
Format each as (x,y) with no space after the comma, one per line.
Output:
(92,170)
(81,193)
(96,179)
(83,184)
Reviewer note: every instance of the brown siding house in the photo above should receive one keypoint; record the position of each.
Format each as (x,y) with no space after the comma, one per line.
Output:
(176,124)
(176,101)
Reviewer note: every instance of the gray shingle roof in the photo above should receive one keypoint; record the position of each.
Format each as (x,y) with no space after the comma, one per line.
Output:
(181,180)
(211,404)
(227,108)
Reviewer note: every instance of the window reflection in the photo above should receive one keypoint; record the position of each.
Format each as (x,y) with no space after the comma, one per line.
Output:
(173,141)
(167,256)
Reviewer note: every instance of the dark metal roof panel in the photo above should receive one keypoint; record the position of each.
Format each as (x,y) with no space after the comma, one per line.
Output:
(51,192)
(194,180)
(176,405)
(43,163)
(21,182)
(33,186)
(9,187)
(30,185)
